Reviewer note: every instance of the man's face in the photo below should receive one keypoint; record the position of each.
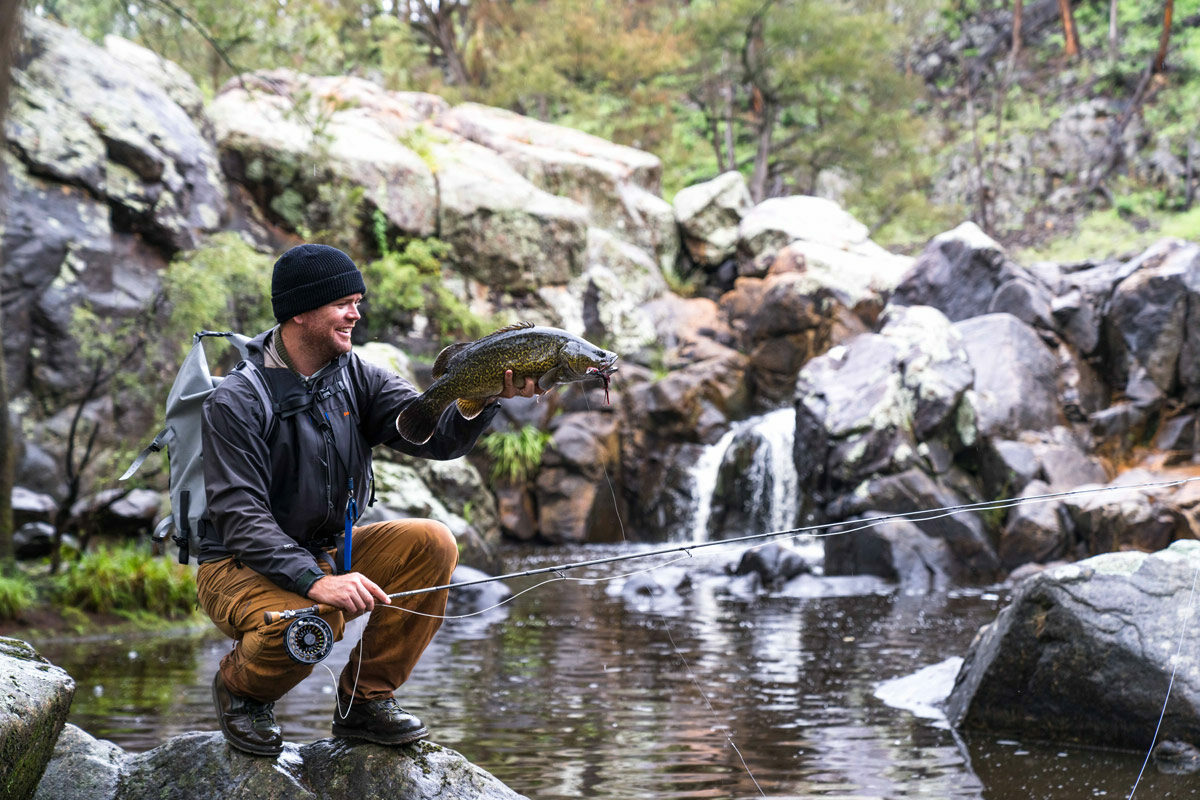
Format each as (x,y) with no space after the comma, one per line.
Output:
(326,330)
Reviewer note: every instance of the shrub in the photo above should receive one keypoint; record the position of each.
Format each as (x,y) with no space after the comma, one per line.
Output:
(127,580)
(17,595)
(516,455)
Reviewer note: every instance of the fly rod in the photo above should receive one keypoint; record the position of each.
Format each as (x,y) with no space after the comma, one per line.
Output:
(915,516)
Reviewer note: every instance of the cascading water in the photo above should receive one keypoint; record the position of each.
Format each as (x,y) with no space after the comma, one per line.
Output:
(769,479)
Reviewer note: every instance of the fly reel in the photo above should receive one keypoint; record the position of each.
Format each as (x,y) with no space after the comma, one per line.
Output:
(308,639)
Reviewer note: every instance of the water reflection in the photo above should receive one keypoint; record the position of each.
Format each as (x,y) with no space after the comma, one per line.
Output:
(574,692)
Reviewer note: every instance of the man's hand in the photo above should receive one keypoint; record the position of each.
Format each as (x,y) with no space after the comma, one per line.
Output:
(353,592)
(528,387)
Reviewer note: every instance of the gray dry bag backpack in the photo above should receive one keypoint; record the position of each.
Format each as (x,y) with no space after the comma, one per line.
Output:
(181,436)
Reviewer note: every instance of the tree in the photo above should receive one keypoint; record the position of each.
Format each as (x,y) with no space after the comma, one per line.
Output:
(1160,58)
(9,25)
(801,87)
(1070,36)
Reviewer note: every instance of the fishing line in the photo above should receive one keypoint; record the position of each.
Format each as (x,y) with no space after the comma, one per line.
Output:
(1185,615)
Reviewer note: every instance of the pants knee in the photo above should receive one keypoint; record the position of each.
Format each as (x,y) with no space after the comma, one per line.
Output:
(441,545)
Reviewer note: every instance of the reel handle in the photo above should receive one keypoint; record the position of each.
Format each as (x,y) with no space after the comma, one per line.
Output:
(276,616)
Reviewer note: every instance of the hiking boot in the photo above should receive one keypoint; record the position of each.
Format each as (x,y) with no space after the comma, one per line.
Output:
(247,724)
(380,721)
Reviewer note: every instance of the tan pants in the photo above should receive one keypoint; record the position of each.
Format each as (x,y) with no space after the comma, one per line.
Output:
(399,555)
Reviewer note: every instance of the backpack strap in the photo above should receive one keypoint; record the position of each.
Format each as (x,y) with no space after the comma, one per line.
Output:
(156,445)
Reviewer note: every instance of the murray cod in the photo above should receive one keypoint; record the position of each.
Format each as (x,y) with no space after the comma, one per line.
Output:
(470,372)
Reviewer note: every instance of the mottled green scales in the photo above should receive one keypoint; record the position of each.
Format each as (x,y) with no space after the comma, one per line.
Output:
(469,373)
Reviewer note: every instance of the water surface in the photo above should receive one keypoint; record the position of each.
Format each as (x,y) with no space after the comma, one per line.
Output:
(572,691)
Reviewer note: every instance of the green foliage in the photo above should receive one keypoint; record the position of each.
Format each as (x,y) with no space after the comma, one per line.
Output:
(516,455)
(17,595)
(225,285)
(128,580)
(407,279)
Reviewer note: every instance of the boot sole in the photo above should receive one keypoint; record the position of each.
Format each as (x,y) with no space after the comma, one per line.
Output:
(398,739)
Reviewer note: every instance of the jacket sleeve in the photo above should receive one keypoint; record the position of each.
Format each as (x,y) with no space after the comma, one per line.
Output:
(386,395)
(236,478)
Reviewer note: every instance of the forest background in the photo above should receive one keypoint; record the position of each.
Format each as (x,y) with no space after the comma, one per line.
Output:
(862,101)
(912,114)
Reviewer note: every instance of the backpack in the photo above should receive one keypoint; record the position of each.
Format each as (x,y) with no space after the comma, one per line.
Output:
(181,436)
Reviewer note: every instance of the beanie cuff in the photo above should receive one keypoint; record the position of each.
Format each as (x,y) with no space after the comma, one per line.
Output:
(314,295)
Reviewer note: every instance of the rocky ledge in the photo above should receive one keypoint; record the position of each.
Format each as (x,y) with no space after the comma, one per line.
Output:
(46,758)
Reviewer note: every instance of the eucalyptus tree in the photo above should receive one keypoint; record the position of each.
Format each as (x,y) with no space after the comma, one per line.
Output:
(791,89)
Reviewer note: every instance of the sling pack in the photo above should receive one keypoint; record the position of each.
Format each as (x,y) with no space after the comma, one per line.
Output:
(181,436)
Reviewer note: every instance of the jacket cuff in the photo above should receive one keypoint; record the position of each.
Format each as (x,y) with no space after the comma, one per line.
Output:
(306,579)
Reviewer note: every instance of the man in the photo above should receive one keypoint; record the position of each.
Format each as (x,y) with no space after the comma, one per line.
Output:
(283,496)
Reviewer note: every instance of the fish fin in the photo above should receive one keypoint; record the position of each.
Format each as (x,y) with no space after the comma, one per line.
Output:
(516,326)
(442,362)
(471,407)
(549,378)
(418,422)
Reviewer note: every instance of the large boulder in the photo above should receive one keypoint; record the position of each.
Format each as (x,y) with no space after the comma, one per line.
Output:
(287,137)
(619,186)
(107,177)
(1153,323)
(1085,653)
(962,272)
(1016,376)
(199,766)
(709,213)
(36,698)
(573,490)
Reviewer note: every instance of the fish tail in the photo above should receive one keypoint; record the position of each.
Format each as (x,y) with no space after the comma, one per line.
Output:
(418,421)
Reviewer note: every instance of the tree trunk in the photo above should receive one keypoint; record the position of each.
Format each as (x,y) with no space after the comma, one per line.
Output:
(9,29)
(762,155)
(1113,44)
(1160,60)
(1070,37)
(1018,8)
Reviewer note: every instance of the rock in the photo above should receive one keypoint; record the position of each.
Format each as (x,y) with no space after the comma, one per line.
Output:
(1006,467)
(201,766)
(961,272)
(914,491)
(1015,386)
(572,492)
(119,513)
(923,692)
(896,550)
(30,506)
(709,214)
(1084,653)
(1138,518)
(1176,758)
(82,768)
(33,540)
(36,697)
(756,482)
(618,185)
(482,596)
(1149,326)
(774,564)
(284,135)
(1034,532)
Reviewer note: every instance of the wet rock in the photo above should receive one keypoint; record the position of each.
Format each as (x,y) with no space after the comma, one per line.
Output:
(1006,467)
(813,587)
(895,550)
(773,563)
(31,506)
(476,598)
(1015,386)
(1035,532)
(33,540)
(914,491)
(200,766)
(1084,653)
(1149,326)
(1133,517)
(756,480)
(1176,758)
(36,698)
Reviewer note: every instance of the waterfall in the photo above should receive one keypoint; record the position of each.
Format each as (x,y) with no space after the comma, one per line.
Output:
(773,459)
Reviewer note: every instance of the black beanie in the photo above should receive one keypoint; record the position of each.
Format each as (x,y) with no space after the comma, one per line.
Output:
(310,275)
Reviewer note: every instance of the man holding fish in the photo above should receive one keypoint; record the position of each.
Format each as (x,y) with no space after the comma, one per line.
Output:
(285,489)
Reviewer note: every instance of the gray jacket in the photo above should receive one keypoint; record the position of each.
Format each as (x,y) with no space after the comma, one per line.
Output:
(279,488)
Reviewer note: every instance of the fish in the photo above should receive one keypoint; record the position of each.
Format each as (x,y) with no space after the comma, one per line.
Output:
(469,373)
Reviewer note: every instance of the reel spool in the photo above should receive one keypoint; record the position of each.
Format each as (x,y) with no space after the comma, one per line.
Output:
(308,639)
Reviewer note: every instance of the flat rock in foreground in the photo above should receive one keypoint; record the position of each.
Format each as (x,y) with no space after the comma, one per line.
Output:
(1084,654)
(201,766)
